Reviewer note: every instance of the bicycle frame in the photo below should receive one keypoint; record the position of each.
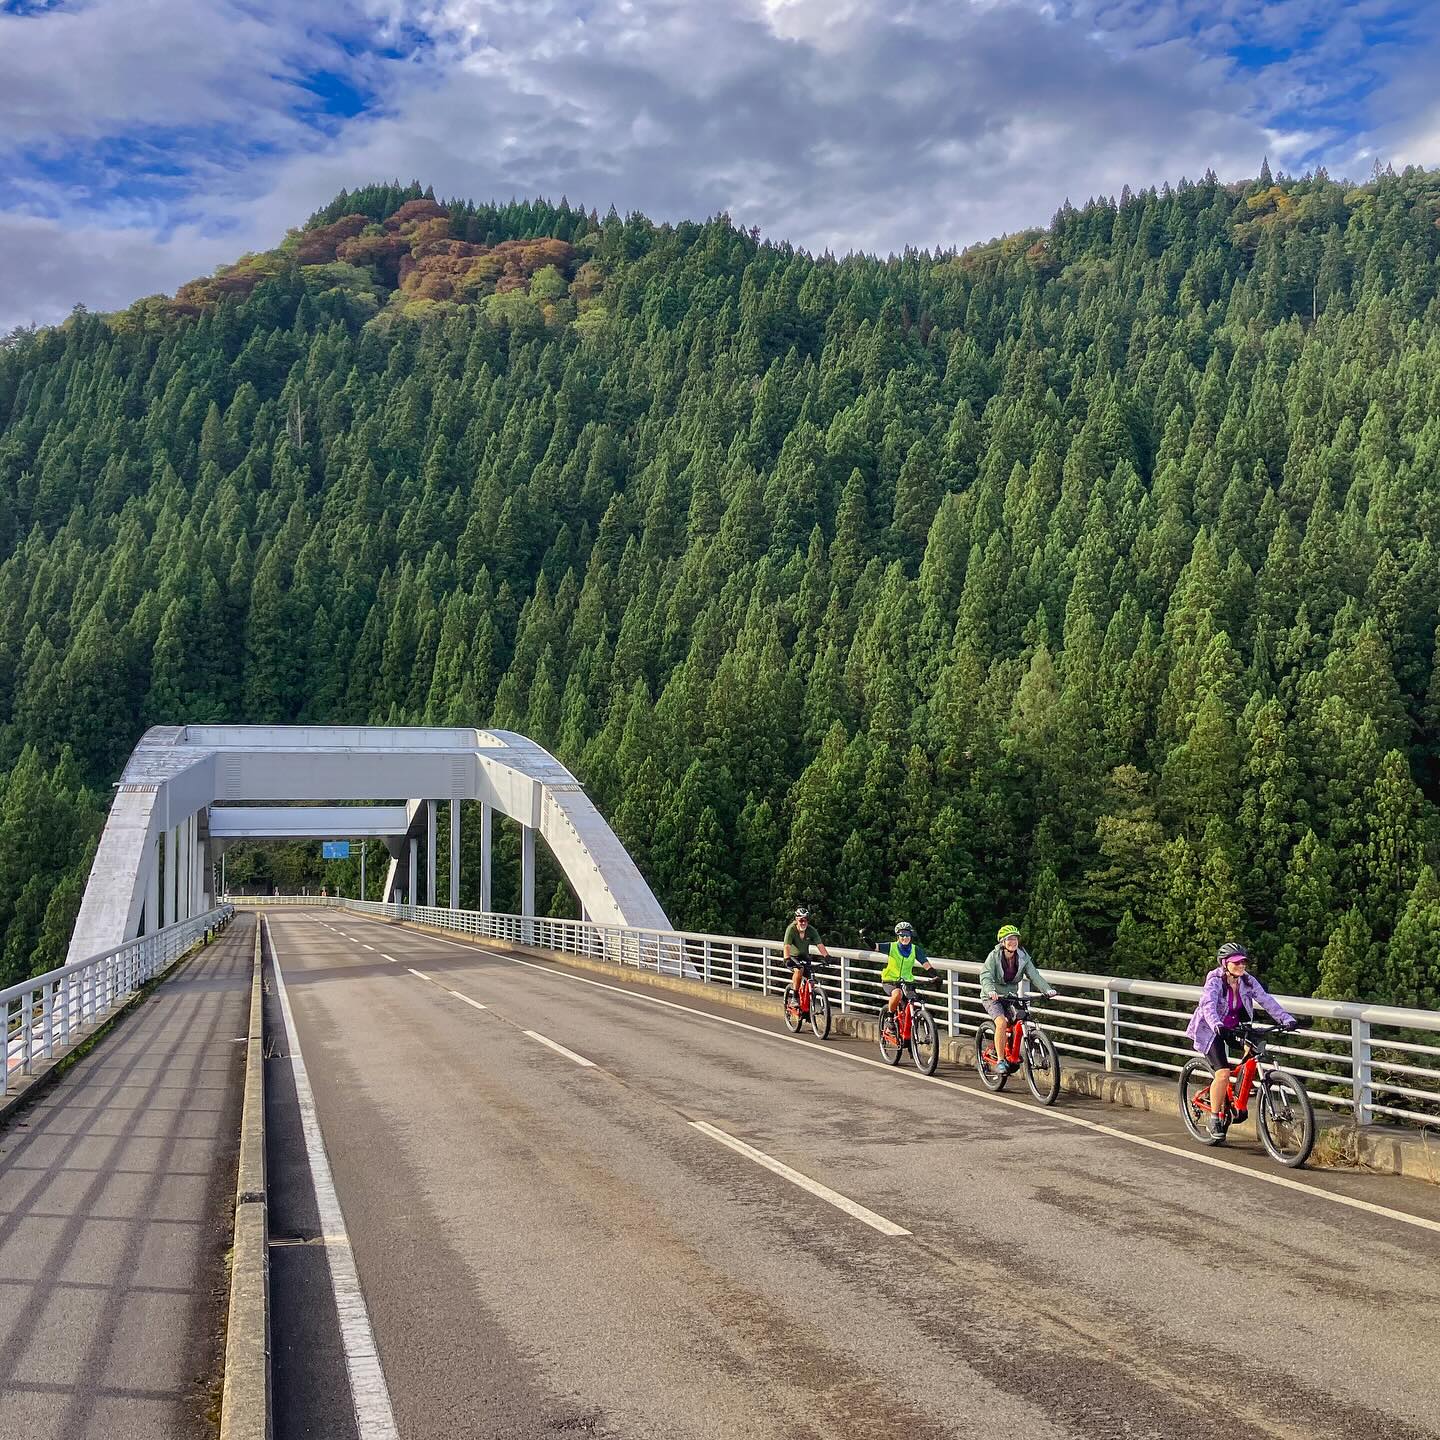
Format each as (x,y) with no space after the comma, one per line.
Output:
(1017,1039)
(1237,1102)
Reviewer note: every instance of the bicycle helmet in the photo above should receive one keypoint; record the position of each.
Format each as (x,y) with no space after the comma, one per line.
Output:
(1231,951)
(801,913)
(1005,932)
(904,928)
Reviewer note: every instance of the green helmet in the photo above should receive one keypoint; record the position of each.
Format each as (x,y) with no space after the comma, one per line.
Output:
(1006,930)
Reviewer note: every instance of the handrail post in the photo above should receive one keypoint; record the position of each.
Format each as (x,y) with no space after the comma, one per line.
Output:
(47,1019)
(27,1030)
(845,982)
(1112,1028)
(1360,1071)
(764,969)
(952,1002)
(707,962)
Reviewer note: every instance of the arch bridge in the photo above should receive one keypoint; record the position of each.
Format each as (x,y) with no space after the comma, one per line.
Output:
(189,790)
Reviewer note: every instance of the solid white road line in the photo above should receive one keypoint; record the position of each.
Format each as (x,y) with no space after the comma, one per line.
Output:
(418,974)
(368,1392)
(832,1197)
(1284,1182)
(475,1003)
(559,1049)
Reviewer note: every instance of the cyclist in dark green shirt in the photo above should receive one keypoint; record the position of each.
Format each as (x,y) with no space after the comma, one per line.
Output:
(800,938)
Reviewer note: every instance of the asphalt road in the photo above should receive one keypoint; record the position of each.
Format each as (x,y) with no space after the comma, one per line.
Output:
(553,1249)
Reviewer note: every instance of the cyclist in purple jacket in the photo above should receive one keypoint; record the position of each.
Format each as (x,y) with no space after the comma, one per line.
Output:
(1228,1001)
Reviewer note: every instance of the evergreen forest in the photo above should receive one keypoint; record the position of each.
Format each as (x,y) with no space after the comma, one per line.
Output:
(1087,579)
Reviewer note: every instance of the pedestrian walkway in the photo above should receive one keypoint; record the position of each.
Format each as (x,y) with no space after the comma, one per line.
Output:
(115,1195)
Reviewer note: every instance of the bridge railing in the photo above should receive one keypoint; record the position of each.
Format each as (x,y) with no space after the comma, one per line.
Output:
(46,1013)
(1374,1061)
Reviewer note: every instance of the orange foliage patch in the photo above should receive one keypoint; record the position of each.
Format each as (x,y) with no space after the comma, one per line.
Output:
(416,252)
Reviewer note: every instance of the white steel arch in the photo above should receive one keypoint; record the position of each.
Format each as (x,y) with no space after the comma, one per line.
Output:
(179,773)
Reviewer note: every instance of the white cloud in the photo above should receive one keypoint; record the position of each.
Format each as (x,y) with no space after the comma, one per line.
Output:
(52,265)
(102,68)
(838,124)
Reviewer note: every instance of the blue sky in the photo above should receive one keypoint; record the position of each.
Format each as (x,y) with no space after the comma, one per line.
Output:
(145,141)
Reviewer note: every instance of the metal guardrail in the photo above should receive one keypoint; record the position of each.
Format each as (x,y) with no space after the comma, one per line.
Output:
(47,1012)
(1376,1061)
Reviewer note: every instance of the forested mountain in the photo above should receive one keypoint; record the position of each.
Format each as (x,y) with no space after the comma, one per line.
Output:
(1088,578)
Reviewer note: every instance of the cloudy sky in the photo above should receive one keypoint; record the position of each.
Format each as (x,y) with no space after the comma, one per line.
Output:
(143,142)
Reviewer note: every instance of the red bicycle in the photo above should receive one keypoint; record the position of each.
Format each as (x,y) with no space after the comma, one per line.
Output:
(1028,1047)
(809,1002)
(910,1026)
(1286,1117)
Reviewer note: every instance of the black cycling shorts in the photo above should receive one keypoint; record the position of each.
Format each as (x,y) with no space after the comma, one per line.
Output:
(1216,1054)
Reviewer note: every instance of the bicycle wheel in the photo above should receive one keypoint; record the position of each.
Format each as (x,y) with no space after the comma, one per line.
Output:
(992,1077)
(793,1018)
(1194,1099)
(924,1040)
(819,1012)
(1286,1120)
(1042,1065)
(890,1046)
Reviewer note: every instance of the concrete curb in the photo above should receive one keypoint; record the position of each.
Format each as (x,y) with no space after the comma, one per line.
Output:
(47,1072)
(1340,1145)
(245,1404)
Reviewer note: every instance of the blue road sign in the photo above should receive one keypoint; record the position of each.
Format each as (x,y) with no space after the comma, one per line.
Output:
(334,849)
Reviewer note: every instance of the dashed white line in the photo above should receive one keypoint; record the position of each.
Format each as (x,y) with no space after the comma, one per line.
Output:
(364,946)
(561,1050)
(418,974)
(390,958)
(473,1003)
(374,1417)
(824,1192)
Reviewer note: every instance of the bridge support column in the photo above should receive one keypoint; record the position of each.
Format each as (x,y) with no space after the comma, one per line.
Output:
(172,874)
(527,877)
(183,872)
(152,890)
(202,865)
(430,853)
(454,854)
(411,897)
(486,896)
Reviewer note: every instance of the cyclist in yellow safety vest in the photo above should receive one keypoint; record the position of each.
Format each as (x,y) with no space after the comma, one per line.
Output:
(899,971)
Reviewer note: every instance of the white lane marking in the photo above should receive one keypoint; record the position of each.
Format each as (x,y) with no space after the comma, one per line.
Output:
(418,974)
(364,946)
(561,1050)
(368,1392)
(475,1003)
(1283,1182)
(390,958)
(832,1197)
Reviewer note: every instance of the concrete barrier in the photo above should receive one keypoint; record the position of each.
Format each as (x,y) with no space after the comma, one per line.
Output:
(245,1405)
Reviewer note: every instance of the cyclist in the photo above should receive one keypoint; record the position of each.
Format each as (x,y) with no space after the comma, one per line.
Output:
(1000,976)
(899,971)
(799,937)
(1228,1001)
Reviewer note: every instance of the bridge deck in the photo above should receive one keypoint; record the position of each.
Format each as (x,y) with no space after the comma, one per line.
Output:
(548,1247)
(115,1190)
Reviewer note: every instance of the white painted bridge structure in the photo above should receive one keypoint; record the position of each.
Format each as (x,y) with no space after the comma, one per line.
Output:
(190,790)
